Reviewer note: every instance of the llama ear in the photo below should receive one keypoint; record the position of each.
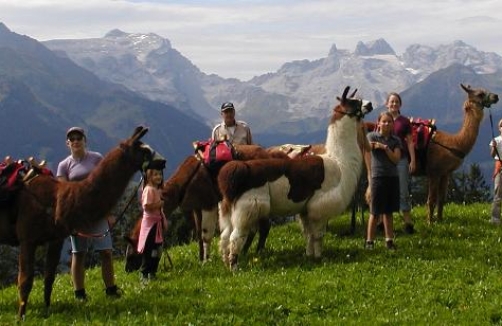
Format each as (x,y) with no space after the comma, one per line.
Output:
(344,95)
(139,132)
(466,88)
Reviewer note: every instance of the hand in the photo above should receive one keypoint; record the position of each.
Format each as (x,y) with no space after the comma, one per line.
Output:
(367,195)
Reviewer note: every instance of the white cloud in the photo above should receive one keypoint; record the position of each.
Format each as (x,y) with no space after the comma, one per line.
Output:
(246,38)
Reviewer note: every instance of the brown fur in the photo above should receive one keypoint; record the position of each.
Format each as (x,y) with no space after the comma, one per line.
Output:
(305,177)
(48,210)
(446,152)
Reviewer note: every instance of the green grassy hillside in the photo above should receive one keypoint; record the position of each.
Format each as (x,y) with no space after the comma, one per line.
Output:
(447,274)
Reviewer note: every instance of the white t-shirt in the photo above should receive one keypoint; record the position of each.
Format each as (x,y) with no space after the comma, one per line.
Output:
(498,140)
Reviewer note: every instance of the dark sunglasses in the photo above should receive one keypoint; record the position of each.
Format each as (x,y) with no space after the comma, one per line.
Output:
(75,138)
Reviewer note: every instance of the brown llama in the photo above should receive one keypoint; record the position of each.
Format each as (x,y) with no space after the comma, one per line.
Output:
(46,210)
(446,152)
(318,187)
(193,188)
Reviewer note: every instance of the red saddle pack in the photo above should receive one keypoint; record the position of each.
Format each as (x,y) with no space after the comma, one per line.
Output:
(214,153)
(422,131)
(11,175)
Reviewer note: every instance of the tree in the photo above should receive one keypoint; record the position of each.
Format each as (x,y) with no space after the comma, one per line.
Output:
(467,188)
(463,188)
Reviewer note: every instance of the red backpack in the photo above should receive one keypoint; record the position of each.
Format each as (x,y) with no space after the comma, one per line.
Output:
(422,131)
(214,153)
(11,175)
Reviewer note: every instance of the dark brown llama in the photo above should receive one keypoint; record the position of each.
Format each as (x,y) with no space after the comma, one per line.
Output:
(46,210)
(446,152)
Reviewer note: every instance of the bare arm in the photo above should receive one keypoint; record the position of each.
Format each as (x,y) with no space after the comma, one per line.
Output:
(493,148)
(411,150)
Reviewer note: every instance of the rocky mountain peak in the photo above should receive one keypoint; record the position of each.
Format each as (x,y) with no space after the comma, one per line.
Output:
(377,47)
(115,33)
(333,51)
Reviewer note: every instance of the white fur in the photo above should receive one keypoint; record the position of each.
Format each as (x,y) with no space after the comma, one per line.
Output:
(342,166)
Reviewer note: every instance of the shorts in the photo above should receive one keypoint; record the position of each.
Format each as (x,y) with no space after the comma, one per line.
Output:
(88,243)
(384,195)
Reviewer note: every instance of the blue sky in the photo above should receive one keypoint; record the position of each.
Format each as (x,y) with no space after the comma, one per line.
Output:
(246,38)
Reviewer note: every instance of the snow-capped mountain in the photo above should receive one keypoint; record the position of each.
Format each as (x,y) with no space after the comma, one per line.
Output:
(299,94)
(144,63)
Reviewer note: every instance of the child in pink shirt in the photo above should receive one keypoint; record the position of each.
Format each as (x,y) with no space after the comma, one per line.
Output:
(153,223)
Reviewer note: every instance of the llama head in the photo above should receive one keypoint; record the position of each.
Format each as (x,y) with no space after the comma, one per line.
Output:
(352,106)
(479,96)
(136,152)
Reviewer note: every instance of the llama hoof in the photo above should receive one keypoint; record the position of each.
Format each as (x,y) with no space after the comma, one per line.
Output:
(233,263)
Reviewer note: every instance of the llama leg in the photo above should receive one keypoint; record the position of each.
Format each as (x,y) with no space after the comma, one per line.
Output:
(264,226)
(197,221)
(51,264)
(226,230)
(237,239)
(318,229)
(305,223)
(208,226)
(25,276)
(431,199)
(249,241)
(441,196)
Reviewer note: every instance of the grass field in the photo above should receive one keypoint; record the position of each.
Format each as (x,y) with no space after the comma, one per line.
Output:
(445,274)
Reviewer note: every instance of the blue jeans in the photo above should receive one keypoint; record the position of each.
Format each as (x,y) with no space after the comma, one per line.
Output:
(404,185)
(497,196)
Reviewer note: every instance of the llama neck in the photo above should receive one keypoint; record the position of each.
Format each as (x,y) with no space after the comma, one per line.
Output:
(342,147)
(103,188)
(341,138)
(466,136)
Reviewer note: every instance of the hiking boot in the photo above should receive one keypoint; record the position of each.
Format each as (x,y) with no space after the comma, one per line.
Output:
(80,295)
(409,228)
(113,292)
(390,245)
(369,245)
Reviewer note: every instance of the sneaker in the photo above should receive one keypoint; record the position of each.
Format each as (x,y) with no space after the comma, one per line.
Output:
(144,278)
(390,245)
(409,228)
(369,245)
(495,221)
(80,295)
(113,292)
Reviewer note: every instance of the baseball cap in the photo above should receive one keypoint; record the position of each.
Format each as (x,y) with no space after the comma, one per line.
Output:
(75,130)
(227,106)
